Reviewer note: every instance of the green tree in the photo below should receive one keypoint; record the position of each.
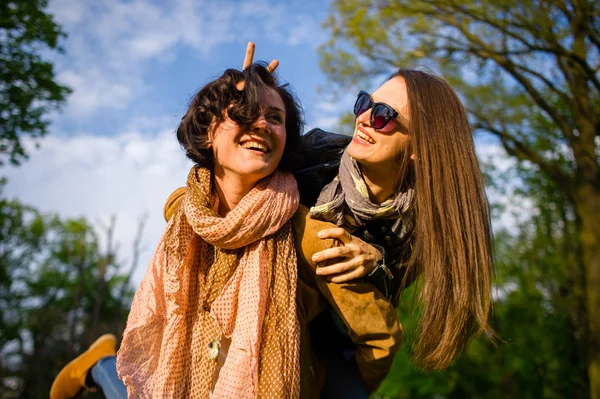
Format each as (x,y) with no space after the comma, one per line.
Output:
(537,315)
(28,90)
(529,72)
(59,291)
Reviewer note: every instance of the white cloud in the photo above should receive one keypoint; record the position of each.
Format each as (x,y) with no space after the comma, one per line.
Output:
(93,91)
(328,123)
(329,109)
(111,47)
(303,30)
(110,43)
(97,177)
(515,208)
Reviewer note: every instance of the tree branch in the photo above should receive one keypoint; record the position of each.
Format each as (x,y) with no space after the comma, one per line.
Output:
(137,249)
(557,49)
(564,96)
(510,68)
(522,151)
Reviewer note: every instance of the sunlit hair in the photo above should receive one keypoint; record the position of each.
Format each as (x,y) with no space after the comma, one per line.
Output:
(452,247)
(243,107)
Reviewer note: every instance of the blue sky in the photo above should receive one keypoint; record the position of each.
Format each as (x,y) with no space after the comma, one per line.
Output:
(141,59)
(133,66)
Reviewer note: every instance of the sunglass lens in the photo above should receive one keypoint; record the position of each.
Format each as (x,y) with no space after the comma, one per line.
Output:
(379,117)
(363,103)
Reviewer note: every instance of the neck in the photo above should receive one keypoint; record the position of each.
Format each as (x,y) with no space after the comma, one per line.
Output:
(230,191)
(380,183)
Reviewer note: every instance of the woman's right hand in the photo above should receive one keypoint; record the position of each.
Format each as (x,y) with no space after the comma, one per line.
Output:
(355,259)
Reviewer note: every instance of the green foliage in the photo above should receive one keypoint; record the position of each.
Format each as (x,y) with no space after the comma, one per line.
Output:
(28,90)
(58,292)
(540,352)
(528,73)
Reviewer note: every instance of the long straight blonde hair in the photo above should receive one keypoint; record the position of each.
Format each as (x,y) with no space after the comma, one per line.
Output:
(452,247)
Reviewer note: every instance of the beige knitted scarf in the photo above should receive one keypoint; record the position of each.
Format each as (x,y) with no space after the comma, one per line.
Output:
(154,357)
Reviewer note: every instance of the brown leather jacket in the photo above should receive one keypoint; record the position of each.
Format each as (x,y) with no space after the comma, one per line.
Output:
(371,319)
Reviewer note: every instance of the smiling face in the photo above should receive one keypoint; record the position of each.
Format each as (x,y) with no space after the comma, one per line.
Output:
(249,155)
(382,148)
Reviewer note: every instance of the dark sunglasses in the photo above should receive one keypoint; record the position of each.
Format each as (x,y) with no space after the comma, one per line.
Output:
(381,113)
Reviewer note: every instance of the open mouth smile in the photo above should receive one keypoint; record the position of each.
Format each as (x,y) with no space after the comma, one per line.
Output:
(256,145)
(364,136)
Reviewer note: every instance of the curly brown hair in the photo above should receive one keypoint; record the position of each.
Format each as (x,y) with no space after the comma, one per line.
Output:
(243,107)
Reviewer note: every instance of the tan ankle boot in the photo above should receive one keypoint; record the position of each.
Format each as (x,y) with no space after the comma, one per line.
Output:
(71,378)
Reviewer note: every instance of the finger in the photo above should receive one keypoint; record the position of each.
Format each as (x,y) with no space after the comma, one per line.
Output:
(346,277)
(335,232)
(337,268)
(332,253)
(272,66)
(249,55)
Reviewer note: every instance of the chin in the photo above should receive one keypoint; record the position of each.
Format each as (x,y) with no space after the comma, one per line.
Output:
(260,172)
(356,151)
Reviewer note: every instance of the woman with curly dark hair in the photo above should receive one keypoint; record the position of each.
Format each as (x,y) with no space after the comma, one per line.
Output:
(215,316)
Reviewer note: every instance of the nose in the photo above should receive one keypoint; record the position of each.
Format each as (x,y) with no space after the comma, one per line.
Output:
(260,124)
(364,118)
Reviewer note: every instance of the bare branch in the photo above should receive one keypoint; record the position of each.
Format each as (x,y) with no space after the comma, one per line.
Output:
(565,11)
(594,38)
(557,49)
(523,151)
(136,251)
(103,264)
(589,19)
(484,52)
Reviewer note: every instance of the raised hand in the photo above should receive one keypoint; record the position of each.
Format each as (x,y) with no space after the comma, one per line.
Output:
(249,58)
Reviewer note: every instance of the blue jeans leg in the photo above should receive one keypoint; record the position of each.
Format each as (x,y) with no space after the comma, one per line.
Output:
(104,373)
(342,380)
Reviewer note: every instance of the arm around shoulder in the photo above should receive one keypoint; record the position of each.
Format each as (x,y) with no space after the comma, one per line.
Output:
(371,319)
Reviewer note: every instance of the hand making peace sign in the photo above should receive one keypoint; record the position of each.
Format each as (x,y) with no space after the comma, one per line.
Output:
(250,57)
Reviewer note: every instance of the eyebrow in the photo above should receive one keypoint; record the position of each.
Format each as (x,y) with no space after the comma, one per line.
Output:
(274,108)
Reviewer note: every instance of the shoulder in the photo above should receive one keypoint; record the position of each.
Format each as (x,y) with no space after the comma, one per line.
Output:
(173,202)
(303,224)
(305,235)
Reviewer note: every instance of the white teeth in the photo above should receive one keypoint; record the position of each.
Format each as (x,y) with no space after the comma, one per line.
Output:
(255,146)
(365,137)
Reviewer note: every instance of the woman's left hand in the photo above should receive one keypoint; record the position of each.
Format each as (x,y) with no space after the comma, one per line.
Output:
(358,257)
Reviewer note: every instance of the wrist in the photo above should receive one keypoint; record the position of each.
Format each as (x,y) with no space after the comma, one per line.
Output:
(381,251)
(380,264)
